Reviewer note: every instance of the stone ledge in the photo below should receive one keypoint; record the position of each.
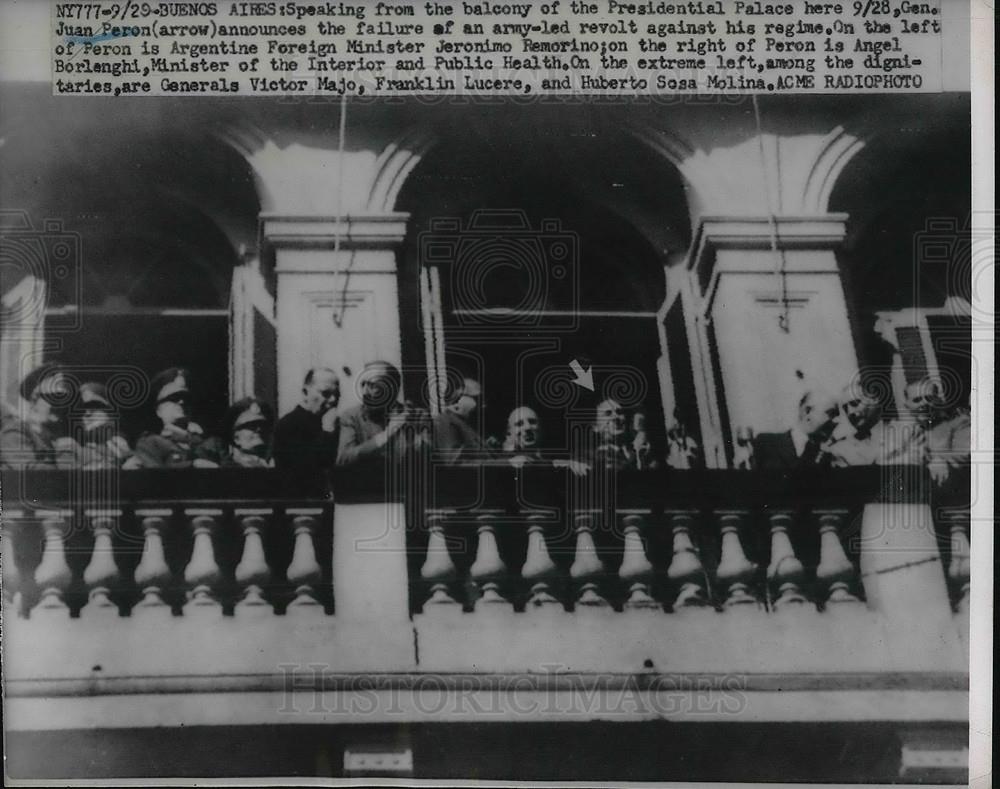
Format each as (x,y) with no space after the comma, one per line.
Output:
(733,642)
(356,231)
(469,699)
(213,646)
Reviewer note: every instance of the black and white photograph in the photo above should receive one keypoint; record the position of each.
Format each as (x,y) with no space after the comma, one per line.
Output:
(446,436)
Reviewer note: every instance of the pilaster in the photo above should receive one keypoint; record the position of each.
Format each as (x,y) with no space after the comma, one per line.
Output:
(768,302)
(337,295)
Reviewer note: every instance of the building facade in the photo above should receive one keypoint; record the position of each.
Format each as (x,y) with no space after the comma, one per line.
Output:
(702,256)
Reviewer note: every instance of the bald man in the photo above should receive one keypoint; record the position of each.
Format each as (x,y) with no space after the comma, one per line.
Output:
(859,436)
(929,434)
(523,443)
(306,439)
(802,445)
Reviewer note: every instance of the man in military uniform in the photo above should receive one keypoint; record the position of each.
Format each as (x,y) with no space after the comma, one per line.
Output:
(39,440)
(101,445)
(249,423)
(181,442)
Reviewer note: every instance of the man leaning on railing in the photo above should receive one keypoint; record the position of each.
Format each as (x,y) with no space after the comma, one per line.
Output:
(380,428)
(523,444)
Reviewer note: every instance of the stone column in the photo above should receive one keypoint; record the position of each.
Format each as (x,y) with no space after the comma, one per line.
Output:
(764,314)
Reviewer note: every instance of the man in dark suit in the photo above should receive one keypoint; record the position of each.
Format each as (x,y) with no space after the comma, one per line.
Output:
(802,445)
(456,429)
(307,437)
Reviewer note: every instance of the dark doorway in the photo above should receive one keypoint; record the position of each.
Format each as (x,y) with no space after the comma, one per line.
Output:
(549,233)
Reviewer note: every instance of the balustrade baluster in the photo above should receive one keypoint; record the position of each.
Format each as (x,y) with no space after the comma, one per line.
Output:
(686,571)
(636,571)
(735,572)
(102,572)
(202,573)
(785,574)
(539,571)
(959,570)
(438,570)
(835,574)
(152,574)
(488,571)
(53,574)
(253,573)
(304,571)
(11,575)
(587,567)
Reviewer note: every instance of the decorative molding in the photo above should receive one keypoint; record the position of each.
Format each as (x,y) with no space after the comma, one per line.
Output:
(395,164)
(838,149)
(820,231)
(757,233)
(356,231)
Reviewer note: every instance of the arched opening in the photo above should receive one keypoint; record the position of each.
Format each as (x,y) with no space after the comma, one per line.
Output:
(906,260)
(539,241)
(155,219)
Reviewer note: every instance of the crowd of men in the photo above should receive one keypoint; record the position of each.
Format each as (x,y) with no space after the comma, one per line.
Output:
(849,430)
(74,426)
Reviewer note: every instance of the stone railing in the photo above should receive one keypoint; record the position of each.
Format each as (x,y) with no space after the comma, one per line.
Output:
(189,544)
(673,542)
(245,543)
(212,597)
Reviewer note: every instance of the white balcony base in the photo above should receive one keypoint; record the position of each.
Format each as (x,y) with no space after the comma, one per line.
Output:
(739,666)
(474,698)
(126,648)
(800,640)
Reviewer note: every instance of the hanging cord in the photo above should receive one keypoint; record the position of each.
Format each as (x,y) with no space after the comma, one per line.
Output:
(340,309)
(779,256)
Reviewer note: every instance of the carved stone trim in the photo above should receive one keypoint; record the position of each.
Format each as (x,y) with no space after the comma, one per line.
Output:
(357,231)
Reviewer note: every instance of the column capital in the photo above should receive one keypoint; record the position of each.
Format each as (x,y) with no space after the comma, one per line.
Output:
(320,231)
(824,232)
(817,231)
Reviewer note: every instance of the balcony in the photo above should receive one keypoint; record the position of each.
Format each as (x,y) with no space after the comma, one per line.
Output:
(204,597)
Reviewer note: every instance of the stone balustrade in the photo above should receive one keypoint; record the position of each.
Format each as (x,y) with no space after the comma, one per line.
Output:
(197,597)
(176,558)
(634,560)
(492,540)
(675,542)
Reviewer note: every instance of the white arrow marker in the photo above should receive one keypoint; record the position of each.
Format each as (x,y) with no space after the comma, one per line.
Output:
(584,378)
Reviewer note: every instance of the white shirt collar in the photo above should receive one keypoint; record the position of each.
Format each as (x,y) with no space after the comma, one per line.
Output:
(799,439)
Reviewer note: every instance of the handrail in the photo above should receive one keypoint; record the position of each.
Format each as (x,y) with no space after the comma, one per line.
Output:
(455,486)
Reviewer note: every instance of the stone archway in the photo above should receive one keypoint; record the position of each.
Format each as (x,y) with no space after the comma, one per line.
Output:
(158,217)
(448,179)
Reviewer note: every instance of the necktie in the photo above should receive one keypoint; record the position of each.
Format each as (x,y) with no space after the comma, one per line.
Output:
(810,454)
